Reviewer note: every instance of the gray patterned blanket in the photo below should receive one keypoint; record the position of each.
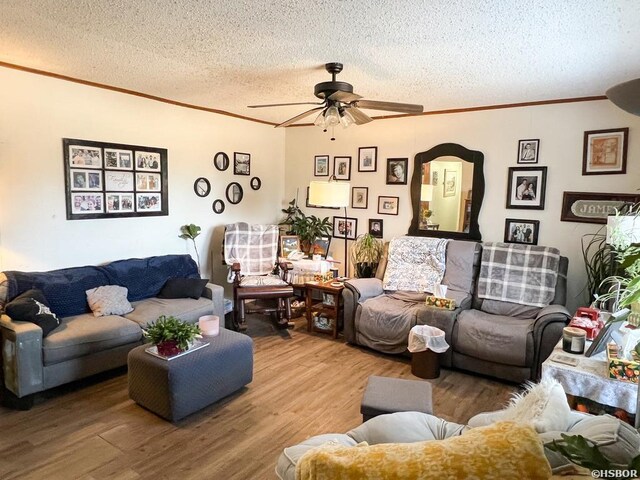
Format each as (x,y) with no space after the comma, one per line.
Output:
(516,273)
(254,247)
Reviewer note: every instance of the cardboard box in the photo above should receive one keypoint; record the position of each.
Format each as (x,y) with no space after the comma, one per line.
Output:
(446,303)
(623,369)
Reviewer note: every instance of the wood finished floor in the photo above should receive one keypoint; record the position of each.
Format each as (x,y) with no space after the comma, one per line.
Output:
(304,384)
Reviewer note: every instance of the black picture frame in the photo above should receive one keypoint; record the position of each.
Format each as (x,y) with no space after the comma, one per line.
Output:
(355,192)
(392,177)
(234,193)
(202,187)
(255,183)
(218,206)
(517,196)
(241,163)
(376,227)
(221,161)
(526,231)
(528,151)
(338,163)
(323,244)
(349,233)
(114,180)
(367,159)
(594,207)
(317,170)
(590,153)
(385,205)
(613,324)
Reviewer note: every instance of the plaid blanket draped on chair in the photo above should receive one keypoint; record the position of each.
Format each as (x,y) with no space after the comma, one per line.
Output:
(524,274)
(254,247)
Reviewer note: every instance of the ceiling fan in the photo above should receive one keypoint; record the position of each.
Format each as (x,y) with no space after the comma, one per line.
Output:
(340,105)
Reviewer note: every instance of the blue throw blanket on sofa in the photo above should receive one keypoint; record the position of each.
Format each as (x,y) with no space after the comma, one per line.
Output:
(65,289)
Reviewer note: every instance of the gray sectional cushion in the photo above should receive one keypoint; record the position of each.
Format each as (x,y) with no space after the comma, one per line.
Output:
(495,338)
(509,309)
(187,309)
(460,271)
(85,334)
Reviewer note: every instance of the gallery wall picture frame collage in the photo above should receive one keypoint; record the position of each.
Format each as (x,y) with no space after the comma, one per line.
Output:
(114,180)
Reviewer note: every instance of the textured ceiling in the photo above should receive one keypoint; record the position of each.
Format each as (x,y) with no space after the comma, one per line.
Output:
(228,54)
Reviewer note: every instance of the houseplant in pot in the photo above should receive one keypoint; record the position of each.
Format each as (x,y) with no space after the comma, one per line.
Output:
(308,228)
(171,335)
(365,255)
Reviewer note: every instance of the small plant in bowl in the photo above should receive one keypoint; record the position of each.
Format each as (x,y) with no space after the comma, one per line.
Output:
(171,335)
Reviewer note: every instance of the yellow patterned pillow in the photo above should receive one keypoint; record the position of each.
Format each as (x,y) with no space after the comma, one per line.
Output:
(499,451)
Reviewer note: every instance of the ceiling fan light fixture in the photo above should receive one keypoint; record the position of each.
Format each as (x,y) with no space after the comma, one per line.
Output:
(320,120)
(332,116)
(346,119)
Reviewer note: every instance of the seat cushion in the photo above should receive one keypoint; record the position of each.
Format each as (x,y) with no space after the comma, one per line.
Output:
(495,338)
(187,309)
(85,334)
(262,281)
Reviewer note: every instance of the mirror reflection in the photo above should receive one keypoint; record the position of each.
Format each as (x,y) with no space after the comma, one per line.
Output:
(445,195)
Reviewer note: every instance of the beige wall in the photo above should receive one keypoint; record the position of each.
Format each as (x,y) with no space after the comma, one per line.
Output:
(496,133)
(37,112)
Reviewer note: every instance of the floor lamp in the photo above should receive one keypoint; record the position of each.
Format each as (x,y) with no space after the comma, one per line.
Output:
(332,194)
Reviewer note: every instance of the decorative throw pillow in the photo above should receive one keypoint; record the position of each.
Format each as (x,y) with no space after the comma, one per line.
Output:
(503,450)
(183,288)
(544,406)
(4,291)
(32,306)
(108,300)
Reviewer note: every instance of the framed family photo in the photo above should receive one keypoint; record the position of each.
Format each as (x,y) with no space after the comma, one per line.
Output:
(359,197)
(450,182)
(110,180)
(241,163)
(345,227)
(526,187)
(388,205)
(528,150)
(342,168)
(605,152)
(521,231)
(321,165)
(367,159)
(375,227)
(397,171)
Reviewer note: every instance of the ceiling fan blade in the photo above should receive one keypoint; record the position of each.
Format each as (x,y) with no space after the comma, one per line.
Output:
(389,106)
(284,104)
(344,96)
(298,117)
(359,117)
(626,96)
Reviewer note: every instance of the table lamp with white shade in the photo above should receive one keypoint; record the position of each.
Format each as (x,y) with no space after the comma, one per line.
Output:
(332,194)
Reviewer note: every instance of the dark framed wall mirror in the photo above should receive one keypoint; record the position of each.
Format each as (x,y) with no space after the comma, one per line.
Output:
(218,206)
(447,189)
(234,193)
(221,161)
(202,187)
(256,183)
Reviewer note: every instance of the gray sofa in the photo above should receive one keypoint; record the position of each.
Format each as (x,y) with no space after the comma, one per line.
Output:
(499,339)
(84,345)
(617,440)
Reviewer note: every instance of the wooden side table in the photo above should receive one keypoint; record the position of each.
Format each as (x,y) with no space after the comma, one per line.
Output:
(329,307)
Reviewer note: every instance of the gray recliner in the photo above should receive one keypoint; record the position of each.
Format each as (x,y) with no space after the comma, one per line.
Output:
(500,339)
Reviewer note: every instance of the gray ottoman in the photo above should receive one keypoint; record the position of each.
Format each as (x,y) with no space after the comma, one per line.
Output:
(176,388)
(389,395)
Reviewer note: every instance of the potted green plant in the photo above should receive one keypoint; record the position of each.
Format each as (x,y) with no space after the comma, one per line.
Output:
(308,228)
(171,335)
(190,232)
(365,255)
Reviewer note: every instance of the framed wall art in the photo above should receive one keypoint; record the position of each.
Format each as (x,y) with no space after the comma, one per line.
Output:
(321,165)
(375,227)
(450,182)
(320,246)
(367,159)
(241,163)
(397,171)
(359,197)
(342,168)
(521,231)
(345,227)
(605,152)
(526,187)
(111,180)
(528,150)
(590,207)
(289,244)
(388,205)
